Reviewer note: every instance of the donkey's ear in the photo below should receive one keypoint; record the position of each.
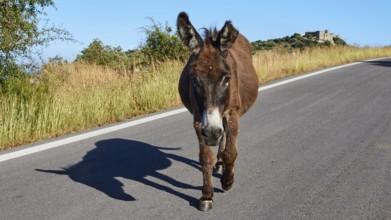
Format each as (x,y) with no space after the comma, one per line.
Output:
(188,34)
(226,37)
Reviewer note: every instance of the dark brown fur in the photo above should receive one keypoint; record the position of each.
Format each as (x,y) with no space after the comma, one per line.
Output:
(221,56)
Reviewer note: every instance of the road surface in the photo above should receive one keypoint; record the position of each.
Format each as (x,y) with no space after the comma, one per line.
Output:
(315,148)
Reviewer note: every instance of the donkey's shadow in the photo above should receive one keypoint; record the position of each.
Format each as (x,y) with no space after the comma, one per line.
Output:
(130,160)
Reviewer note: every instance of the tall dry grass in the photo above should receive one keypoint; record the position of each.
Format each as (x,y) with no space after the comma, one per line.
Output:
(271,65)
(80,96)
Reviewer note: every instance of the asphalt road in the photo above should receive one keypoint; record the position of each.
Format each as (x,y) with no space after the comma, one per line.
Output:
(316,148)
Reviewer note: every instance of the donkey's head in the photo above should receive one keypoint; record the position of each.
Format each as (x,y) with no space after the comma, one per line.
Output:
(210,73)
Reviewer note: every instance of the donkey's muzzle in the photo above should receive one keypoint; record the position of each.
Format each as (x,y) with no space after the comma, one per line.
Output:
(212,135)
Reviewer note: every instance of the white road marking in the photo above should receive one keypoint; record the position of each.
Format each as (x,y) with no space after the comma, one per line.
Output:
(79,137)
(68,140)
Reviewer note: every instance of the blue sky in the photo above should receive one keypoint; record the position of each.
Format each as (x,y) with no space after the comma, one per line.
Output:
(118,22)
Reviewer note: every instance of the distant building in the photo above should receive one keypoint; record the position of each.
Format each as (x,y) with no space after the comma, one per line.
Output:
(321,36)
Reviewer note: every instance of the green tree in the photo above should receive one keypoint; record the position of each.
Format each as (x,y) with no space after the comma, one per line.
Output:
(96,53)
(339,41)
(104,55)
(161,44)
(22,31)
(326,44)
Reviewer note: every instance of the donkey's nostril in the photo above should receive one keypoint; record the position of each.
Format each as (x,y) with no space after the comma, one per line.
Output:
(212,132)
(219,132)
(212,135)
(203,132)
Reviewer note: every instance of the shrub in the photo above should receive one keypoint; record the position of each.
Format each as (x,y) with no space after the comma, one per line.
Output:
(113,57)
(339,41)
(161,44)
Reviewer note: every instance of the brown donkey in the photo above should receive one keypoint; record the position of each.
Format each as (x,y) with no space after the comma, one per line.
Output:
(217,85)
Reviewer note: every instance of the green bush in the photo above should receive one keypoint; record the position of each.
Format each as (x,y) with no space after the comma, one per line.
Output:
(161,44)
(339,41)
(11,77)
(113,57)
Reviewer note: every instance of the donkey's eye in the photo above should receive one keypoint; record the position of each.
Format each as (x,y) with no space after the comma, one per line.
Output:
(226,80)
(195,81)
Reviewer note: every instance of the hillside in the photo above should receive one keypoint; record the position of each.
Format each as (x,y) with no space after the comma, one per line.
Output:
(294,42)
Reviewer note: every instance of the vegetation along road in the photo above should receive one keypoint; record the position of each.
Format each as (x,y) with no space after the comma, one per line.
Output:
(315,148)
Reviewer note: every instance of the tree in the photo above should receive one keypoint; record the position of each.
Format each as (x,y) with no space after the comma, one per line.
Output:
(339,41)
(96,52)
(161,45)
(21,33)
(104,55)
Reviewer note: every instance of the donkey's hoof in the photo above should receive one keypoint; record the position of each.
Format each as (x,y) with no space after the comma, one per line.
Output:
(226,185)
(219,169)
(205,205)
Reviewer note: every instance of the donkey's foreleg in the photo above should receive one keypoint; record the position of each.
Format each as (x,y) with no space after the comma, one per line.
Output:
(207,160)
(219,164)
(230,152)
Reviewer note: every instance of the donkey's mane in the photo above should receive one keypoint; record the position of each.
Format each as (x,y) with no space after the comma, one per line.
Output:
(210,35)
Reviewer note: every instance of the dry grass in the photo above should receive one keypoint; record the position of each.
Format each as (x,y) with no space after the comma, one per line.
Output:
(81,96)
(271,65)
(84,96)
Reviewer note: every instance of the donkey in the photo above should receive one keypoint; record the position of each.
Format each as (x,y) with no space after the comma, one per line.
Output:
(218,85)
